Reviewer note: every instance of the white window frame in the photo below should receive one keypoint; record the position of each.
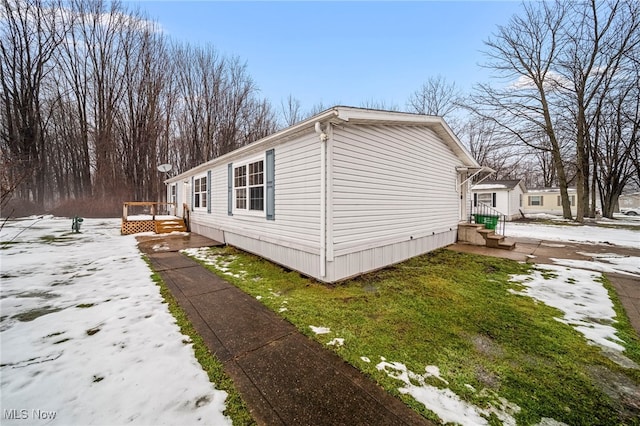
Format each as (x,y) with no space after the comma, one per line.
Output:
(197,182)
(246,210)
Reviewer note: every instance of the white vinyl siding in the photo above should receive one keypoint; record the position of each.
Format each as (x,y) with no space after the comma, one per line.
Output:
(297,204)
(390,183)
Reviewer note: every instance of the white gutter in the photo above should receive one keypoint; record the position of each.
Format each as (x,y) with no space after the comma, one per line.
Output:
(323,198)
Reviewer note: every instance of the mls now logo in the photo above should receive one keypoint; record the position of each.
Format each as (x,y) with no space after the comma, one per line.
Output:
(15,414)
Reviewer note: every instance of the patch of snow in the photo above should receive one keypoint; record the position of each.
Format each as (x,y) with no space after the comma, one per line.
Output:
(86,334)
(605,262)
(448,406)
(282,310)
(219,262)
(338,341)
(578,233)
(320,330)
(365,359)
(160,247)
(578,293)
(259,297)
(434,371)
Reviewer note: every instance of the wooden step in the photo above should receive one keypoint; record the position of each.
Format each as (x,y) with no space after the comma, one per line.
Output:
(170,225)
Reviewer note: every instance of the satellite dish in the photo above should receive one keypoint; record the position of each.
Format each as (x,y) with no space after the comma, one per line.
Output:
(164,168)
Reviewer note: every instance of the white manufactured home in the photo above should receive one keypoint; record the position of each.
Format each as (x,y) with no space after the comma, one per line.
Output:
(548,201)
(345,192)
(505,196)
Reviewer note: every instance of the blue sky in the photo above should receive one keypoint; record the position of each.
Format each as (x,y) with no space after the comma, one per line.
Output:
(338,52)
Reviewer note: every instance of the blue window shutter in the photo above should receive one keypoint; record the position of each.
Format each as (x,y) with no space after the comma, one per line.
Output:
(193,192)
(271,176)
(230,189)
(209,191)
(493,200)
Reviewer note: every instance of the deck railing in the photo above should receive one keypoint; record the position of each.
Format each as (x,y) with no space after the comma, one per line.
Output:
(484,214)
(148,207)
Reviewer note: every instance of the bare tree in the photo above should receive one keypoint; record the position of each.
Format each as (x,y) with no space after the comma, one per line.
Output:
(291,110)
(381,105)
(436,96)
(561,61)
(597,41)
(617,130)
(523,54)
(30,34)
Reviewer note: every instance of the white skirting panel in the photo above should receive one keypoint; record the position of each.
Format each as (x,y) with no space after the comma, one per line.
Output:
(357,263)
(207,231)
(343,267)
(298,260)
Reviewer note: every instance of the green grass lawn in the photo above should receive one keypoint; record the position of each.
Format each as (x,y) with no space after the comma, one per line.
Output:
(453,311)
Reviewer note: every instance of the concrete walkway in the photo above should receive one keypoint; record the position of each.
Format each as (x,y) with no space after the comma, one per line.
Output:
(284,377)
(541,251)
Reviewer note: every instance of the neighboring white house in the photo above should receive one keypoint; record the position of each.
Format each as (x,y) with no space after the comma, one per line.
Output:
(547,200)
(505,196)
(345,192)
(629,202)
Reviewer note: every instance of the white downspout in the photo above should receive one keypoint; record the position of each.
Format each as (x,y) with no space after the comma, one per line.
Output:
(323,199)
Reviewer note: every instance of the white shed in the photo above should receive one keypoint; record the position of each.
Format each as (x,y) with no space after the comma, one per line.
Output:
(505,196)
(345,192)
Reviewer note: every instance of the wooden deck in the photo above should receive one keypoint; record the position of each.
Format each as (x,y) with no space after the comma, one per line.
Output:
(149,220)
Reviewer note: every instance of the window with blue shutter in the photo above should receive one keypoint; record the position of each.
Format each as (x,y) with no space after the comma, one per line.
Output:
(271,176)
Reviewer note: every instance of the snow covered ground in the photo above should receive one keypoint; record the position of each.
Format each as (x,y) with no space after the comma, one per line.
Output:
(85,338)
(582,234)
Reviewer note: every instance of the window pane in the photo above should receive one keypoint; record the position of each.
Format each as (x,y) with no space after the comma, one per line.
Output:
(241,198)
(485,198)
(196,201)
(256,200)
(240,174)
(256,173)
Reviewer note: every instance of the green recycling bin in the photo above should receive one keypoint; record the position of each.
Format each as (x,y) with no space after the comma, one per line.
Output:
(489,221)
